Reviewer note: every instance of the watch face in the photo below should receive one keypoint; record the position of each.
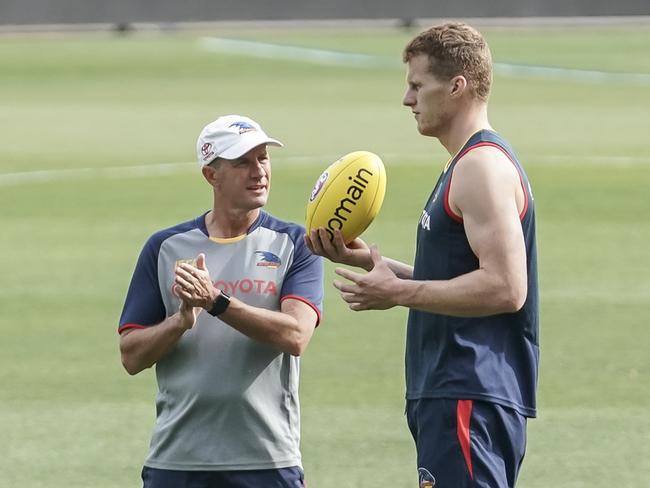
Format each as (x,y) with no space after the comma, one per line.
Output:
(220,305)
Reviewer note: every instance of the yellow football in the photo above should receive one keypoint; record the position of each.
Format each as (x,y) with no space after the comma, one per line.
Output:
(348,195)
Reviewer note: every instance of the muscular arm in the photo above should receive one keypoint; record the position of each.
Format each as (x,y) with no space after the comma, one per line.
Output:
(487,193)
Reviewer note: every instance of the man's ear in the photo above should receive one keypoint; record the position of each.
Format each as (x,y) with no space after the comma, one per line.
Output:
(210,174)
(458,86)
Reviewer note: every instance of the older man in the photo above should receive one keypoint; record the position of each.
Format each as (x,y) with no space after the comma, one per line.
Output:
(224,305)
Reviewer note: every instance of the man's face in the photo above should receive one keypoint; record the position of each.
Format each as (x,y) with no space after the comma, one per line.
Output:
(244,183)
(427,97)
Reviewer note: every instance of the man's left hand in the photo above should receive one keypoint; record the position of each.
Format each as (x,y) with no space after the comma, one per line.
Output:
(194,285)
(375,290)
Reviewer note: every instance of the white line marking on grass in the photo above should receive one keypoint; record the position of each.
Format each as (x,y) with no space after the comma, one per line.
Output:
(293,53)
(570,74)
(357,60)
(164,169)
(50,175)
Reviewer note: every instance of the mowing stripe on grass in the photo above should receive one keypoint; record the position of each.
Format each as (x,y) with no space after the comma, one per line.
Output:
(357,60)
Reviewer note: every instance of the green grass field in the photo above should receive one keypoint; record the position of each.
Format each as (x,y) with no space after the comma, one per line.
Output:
(71,417)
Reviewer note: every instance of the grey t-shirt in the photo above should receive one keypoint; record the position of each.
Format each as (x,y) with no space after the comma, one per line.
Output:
(225,401)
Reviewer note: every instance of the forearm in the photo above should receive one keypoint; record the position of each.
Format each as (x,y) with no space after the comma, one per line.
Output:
(278,329)
(142,348)
(288,329)
(473,294)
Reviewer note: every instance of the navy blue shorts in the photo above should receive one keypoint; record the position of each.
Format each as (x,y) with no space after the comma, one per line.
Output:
(268,478)
(466,443)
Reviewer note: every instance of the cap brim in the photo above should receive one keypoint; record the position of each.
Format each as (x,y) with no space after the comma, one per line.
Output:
(248,142)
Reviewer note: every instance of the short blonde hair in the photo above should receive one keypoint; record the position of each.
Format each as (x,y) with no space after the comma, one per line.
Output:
(455,49)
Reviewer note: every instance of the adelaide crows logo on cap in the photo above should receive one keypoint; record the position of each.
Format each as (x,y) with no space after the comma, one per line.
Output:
(268,259)
(243,127)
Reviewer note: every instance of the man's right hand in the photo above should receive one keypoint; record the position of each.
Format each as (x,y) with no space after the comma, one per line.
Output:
(188,315)
(355,253)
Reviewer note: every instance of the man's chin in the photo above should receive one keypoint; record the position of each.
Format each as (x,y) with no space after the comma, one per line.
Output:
(427,130)
(259,202)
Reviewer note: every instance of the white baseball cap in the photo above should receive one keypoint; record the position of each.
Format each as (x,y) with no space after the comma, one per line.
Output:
(230,137)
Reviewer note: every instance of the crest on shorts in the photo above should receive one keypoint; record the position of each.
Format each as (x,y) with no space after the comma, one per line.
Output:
(426,479)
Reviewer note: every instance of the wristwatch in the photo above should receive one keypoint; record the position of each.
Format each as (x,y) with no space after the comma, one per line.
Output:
(220,304)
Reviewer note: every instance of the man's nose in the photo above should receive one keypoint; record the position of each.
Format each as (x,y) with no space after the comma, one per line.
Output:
(259,169)
(408,100)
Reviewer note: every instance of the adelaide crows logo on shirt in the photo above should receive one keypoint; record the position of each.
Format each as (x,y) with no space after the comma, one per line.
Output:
(268,259)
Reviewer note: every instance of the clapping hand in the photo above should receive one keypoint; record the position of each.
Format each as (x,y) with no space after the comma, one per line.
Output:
(194,284)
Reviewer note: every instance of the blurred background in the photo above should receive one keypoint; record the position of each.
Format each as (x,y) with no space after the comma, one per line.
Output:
(100,107)
(128,11)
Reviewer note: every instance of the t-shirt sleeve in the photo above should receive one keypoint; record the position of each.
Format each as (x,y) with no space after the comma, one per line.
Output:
(144,305)
(304,279)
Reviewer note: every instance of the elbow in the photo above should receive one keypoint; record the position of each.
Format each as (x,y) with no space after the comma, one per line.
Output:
(297,347)
(514,298)
(298,341)
(129,365)
(129,359)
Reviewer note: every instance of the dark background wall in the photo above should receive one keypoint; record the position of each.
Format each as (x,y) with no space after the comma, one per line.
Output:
(113,11)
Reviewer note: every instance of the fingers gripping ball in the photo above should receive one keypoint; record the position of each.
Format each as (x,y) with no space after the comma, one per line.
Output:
(348,195)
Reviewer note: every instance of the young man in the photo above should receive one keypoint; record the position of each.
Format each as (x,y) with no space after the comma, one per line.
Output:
(224,305)
(472,339)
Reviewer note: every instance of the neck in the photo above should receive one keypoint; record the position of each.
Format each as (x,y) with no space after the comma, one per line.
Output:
(466,123)
(226,224)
